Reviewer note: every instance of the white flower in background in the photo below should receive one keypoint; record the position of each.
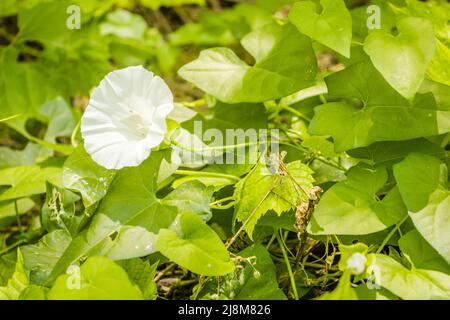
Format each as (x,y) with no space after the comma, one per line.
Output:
(357,263)
(126,117)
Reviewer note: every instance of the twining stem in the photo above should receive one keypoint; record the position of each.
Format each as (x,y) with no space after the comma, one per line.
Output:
(297,113)
(223,207)
(207,149)
(393,231)
(271,240)
(18,243)
(218,203)
(163,272)
(207,174)
(222,200)
(10,118)
(288,265)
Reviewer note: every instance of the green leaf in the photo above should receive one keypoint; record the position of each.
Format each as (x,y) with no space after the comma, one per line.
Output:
(365,293)
(100,279)
(221,73)
(34,292)
(27,180)
(8,213)
(18,282)
(129,242)
(343,291)
(192,196)
(352,207)
(382,117)
(7,266)
(129,217)
(81,174)
(40,258)
(438,68)
(255,280)
(142,273)
(414,284)
(124,24)
(332,26)
(421,253)
(156,4)
(195,246)
(12,158)
(391,152)
(423,185)
(24,88)
(403,59)
(46,21)
(60,118)
(263,190)
(348,251)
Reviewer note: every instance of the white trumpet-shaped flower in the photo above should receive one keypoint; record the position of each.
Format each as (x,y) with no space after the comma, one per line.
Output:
(357,263)
(126,117)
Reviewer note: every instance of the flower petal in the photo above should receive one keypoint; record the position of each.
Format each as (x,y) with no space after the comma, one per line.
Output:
(126,117)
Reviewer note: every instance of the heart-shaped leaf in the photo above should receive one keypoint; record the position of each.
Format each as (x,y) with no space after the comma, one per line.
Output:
(332,27)
(376,117)
(403,59)
(351,207)
(221,73)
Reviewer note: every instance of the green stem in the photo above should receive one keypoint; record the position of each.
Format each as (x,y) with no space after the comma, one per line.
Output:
(288,265)
(296,112)
(217,204)
(393,231)
(223,200)
(271,240)
(10,118)
(224,207)
(19,223)
(201,150)
(18,243)
(207,174)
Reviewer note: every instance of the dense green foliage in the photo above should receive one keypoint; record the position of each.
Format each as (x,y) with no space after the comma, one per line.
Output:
(359,207)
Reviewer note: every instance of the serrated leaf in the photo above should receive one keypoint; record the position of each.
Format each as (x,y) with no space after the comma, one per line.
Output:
(263,190)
